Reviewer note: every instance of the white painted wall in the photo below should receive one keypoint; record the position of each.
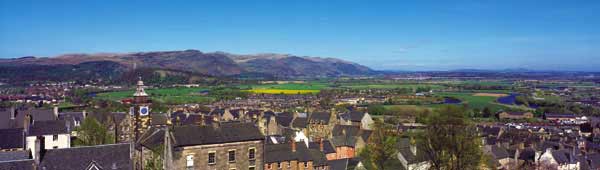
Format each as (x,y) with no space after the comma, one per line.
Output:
(63,141)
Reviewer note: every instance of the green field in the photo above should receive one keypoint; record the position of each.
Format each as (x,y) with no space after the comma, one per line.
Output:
(167,95)
(479,102)
(391,86)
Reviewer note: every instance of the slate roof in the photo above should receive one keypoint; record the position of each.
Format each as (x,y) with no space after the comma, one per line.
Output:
(499,153)
(51,127)
(284,119)
(14,155)
(318,157)
(226,133)
(71,117)
(113,156)
(152,139)
(352,130)
(27,164)
(300,122)
(17,122)
(283,152)
(343,164)
(559,115)
(354,116)
(327,147)
(12,138)
(320,117)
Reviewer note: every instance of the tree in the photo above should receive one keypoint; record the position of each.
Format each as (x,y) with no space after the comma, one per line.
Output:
(376,109)
(487,112)
(91,132)
(155,162)
(450,141)
(380,152)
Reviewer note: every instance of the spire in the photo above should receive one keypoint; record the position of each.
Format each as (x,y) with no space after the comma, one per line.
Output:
(140,88)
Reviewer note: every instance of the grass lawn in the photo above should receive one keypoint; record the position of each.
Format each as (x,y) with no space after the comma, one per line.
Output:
(167,95)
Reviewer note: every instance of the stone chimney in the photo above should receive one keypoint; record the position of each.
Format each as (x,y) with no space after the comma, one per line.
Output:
(413,146)
(26,122)
(13,113)
(38,149)
(56,112)
(293,143)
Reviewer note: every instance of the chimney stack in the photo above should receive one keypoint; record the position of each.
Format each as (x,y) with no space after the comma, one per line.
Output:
(13,112)
(293,145)
(321,145)
(56,112)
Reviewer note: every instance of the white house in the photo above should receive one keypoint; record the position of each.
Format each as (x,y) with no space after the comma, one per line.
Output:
(53,134)
(561,159)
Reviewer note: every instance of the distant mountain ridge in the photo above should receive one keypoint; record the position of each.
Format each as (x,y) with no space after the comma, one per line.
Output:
(194,61)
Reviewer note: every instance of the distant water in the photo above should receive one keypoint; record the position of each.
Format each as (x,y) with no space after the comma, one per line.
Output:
(509,100)
(450,100)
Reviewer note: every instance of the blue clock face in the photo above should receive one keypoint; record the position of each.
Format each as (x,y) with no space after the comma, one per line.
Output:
(144,110)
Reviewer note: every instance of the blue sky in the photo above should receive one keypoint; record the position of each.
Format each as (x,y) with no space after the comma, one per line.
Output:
(398,35)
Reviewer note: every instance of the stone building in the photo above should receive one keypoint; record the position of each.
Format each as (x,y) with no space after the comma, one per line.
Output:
(220,146)
(320,124)
(294,156)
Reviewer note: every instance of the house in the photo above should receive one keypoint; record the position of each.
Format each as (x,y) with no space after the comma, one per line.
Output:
(500,156)
(348,137)
(345,164)
(324,146)
(99,157)
(560,159)
(361,119)
(410,156)
(218,146)
(320,124)
(53,134)
(559,117)
(294,156)
(514,115)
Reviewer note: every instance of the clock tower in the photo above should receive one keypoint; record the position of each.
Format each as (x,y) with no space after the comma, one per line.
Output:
(140,110)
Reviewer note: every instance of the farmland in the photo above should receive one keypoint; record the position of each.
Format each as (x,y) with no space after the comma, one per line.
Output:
(167,95)
(476,101)
(391,86)
(287,88)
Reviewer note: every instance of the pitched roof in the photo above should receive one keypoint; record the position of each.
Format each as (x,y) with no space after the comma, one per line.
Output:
(300,122)
(283,152)
(284,119)
(113,156)
(226,133)
(50,127)
(14,155)
(27,164)
(12,138)
(320,117)
(354,116)
(352,130)
(327,147)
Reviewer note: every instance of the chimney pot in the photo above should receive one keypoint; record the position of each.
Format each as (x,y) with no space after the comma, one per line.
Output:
(321,145)
(293,145)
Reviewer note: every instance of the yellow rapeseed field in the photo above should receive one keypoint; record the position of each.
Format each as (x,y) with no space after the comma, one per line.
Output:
(281,91)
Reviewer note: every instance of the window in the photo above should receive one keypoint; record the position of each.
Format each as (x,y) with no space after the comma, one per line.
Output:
(251,168)
(189,161)
(251,153)
(289,164)
(212,157)
(55,147)
(54,137)
(306,164)
(231,154)
(279,165)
